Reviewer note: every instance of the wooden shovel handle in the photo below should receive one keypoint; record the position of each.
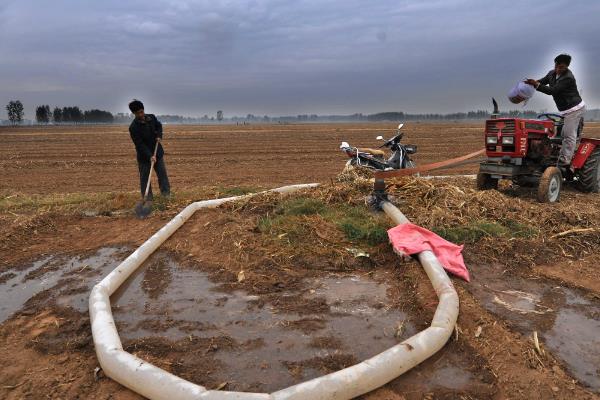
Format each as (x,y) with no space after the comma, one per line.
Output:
(150,174)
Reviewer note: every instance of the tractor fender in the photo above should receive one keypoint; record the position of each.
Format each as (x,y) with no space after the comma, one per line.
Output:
(586,147)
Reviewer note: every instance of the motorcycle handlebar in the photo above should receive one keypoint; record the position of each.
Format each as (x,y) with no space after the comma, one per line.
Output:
(391,141)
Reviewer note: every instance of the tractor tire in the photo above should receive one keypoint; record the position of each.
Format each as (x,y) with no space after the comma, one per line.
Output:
(486,182)
(589,175)
(550,185)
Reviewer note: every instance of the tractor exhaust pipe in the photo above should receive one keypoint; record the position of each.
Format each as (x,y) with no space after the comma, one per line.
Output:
(496,111)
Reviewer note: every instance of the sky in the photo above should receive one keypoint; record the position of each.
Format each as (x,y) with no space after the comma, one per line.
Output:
(289,57)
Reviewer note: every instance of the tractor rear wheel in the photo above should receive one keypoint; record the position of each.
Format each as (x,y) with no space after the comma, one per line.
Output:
(589,174)
(486,182)
(550,185)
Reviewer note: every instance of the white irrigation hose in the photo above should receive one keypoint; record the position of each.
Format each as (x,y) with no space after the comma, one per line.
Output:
(470,176)
(155,383)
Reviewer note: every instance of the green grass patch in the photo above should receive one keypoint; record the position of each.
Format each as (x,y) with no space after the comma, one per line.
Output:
(265,224)
(360,225)
(237,190)
(475,231)
(100,203)
(20,202)
(364,230)
(286,227)
(356,222)
(301,206)
(520,230)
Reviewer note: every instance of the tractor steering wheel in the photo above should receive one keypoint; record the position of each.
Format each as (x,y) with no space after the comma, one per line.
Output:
(552,117)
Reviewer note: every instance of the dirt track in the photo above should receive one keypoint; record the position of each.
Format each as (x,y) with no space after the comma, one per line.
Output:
(282,323)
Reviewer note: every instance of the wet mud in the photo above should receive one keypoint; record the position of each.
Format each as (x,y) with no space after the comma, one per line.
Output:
(567,320)
(172,313)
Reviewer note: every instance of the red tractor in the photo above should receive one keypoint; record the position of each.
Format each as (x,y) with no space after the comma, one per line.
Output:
(526,152)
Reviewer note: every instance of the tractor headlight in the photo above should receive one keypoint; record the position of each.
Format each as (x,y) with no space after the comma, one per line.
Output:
(491,140)
(508,140)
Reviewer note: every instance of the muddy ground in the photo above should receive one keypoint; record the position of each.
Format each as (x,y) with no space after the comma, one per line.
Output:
(261,294)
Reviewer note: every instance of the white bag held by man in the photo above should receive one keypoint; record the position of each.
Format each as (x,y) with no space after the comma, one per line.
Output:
(521,92)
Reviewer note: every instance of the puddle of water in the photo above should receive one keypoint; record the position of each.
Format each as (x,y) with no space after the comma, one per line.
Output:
(448,371)
(575,338)
(166,300)
(521,302)
(191,304)
(74,275)
(451,377)
(568,322)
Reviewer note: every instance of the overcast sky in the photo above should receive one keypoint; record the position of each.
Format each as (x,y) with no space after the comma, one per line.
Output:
(287,57)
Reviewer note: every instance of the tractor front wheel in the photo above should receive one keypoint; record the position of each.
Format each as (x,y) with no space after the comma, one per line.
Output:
(486,182)
(550,185)
(589,175)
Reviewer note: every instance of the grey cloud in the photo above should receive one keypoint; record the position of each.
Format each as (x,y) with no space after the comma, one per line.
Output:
(274,56)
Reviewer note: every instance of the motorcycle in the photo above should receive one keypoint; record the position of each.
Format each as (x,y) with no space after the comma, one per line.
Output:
(375,159)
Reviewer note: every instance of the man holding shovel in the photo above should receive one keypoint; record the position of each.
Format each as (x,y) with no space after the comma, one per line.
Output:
(146,133)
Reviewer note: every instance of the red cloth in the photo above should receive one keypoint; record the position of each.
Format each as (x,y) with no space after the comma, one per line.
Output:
(409,239)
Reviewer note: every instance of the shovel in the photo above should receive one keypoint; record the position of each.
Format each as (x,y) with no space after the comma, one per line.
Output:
(144,207)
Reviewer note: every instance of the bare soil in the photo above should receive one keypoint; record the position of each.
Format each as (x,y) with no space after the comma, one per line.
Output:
(102,158)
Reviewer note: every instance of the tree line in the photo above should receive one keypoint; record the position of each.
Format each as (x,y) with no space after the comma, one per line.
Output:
(73,114)
(471,115)
(58,115)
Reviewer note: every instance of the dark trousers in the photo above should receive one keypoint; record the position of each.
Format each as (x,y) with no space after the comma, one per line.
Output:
(161,171)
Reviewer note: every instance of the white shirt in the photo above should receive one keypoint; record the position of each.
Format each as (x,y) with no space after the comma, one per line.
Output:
(573,109)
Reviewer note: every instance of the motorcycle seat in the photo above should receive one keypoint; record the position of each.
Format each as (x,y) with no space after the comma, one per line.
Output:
(375,152)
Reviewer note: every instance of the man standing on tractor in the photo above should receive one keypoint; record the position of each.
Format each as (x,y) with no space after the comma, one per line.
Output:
(561,85)
(146,133)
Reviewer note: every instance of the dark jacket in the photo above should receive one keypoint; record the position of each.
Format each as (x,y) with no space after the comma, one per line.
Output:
(563,90)
(144,134)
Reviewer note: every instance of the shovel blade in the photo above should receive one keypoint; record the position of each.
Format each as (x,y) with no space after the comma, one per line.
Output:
(143,209)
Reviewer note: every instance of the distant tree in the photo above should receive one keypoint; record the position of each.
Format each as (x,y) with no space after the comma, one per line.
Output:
(387,116)
(72,114)
(219,115)
(66,114)
(15,111)
(76,115)
(42,114)
(57,115)
(97,116)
